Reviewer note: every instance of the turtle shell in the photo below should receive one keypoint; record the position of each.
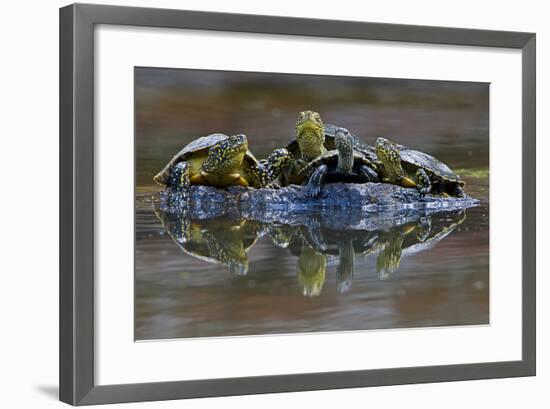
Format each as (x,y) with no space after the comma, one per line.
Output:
(198,146)
(330,135)
(331,158)
(427,162)
(358,144)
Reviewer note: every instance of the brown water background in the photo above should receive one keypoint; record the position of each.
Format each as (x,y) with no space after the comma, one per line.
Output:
(177,295)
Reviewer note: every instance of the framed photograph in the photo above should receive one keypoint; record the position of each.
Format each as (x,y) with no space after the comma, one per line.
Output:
(258,204)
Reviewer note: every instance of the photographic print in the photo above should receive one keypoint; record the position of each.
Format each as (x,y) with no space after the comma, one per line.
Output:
(275,203)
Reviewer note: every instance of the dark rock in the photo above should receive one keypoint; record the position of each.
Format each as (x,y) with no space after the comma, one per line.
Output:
(352,200)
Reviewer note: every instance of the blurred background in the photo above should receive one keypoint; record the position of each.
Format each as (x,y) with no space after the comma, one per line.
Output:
(178,294)
(446,119)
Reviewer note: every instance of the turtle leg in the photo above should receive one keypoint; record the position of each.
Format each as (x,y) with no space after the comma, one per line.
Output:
(313,188)
(198,179)
(424,185)
(459,191)
(179,176)
(178,185)
(268,170)
(242,182)
(407,182)
(291,172)
(233,179)
(368,173)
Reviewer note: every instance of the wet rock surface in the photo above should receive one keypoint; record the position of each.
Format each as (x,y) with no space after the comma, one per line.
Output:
(345,203)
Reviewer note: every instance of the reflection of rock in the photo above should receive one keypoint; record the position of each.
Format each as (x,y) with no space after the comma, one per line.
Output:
(223,232)
(367,196)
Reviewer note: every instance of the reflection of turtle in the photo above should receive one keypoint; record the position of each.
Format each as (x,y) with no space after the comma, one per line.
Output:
(220,160)
(281,234)
(346,266)
(344,164)
(414,237)
(318,247)
(344,245)
(410,168)
(311,269)
(389,258)
(431,230)
(221,240)
(314,138)
(314,243)
(312,263)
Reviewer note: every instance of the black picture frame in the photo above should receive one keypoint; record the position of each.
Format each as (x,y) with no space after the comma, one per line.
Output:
(76,283)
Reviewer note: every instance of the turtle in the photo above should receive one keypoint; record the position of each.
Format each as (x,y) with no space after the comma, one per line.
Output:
(220,160)
(313,138)
(410,168)
(344,164)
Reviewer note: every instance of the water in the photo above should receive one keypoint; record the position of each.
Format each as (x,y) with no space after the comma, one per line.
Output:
(233,276)
(424,270)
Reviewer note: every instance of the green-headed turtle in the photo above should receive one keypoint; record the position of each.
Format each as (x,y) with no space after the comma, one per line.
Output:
(410,168)
(314,138)
(220,160)
(345,164)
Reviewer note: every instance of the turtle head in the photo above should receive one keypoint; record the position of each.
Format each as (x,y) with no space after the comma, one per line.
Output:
(383,143)
(277,160)
(388,154)
(310,134)
(268,169)
(226,155)
(344,144)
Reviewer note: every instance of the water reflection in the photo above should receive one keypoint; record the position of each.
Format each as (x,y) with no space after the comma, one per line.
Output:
(193,279)
(219,240)
(316,239)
